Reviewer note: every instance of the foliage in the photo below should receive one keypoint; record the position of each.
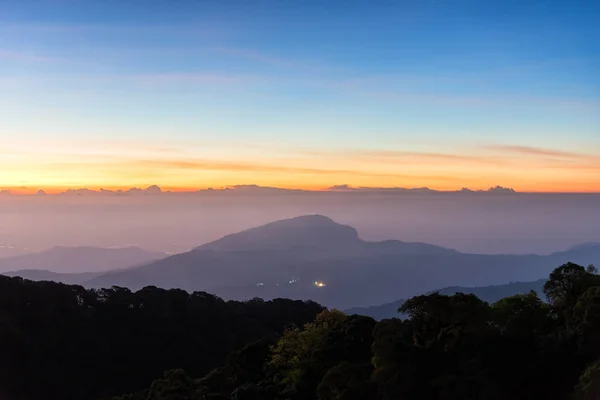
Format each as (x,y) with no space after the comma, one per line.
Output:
(66,342)
(98,343)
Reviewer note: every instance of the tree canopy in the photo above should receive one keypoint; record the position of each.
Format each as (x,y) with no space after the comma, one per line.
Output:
(66,342)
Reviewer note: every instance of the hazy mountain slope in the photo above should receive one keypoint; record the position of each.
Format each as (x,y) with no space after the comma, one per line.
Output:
(41,275)
(79,259)
(317,236)
(261,262)
(7,251)
(490,294)
(269,253)
(305,231)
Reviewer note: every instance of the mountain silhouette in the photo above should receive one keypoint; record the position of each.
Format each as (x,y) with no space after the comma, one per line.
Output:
(490,294)
(315,231)
(253,189)
(79,259)
(42,275)
(317,236)
(285,258)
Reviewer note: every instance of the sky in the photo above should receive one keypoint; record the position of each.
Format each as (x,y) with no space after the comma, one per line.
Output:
(189,94)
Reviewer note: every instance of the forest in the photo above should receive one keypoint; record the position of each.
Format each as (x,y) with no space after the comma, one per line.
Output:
(65,342)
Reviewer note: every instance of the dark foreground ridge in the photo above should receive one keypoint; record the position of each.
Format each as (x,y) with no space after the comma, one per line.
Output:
(64,342)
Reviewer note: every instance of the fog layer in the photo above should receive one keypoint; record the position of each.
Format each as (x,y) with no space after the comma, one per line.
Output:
(490,223)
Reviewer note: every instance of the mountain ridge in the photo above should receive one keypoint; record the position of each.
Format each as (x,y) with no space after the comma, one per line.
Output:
(153,190)
(78,259)
(490,294)
(285,258)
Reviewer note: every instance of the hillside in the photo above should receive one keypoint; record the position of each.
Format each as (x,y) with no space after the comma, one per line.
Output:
(79,259)
(42,275)
(64,342)
(286,258)
(489,294)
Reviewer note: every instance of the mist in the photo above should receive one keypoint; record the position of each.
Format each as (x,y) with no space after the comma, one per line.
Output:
(489,223)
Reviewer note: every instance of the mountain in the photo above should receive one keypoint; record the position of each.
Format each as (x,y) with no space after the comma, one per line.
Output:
(317,237)
(311,231)
(79,259)
(41,275)
(253,189)
(7,251)
(490,294)
(348,188)
(285,259)
(591,246)
(270,253)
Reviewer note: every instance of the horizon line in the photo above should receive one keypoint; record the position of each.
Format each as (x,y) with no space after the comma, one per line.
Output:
(253,188)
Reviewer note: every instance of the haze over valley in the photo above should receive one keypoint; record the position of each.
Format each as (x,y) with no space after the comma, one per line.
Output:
(488,223)
(310,256)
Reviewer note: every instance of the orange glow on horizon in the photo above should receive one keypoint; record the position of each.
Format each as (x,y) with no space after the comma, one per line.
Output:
(53,190)
(27,169)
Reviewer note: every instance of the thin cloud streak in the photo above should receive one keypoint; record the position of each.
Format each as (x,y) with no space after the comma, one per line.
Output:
(540,151)
(191,78)
(211,165)
(29,57)
(111,28)
(252,55)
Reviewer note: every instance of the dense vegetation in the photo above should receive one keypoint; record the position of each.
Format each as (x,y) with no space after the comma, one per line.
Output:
(491,294)
(65,342)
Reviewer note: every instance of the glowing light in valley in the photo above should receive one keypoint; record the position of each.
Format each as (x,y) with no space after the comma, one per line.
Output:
(320,284)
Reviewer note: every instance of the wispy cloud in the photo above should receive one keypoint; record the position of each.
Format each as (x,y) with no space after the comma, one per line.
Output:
(253,55)
(539,151)
(400,157)
(549,158)
(190,78)
(258,167)
(29,57)
(309,66)
(150,29)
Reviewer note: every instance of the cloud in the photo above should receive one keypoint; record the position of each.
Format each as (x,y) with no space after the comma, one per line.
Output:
(540,151)
(164,166)
(400,157)
(551,158)
(253,55)
(29,57)
(124,29)
(425,156)
(202,78)
(266,168)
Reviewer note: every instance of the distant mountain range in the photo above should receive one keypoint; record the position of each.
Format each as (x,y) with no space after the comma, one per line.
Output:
(7,250)
(286,258)
(79,259)
(42,275)
(313,257)
(490,294)
(255,189)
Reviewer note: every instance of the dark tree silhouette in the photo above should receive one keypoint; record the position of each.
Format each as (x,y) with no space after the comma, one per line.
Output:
(60,341)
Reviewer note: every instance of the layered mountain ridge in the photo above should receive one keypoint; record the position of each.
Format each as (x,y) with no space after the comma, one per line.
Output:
(314,257)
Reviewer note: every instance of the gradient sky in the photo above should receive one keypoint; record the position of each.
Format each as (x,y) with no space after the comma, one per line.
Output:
(307,94)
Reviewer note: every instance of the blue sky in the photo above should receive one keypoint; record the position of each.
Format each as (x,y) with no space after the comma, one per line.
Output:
(222,79)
